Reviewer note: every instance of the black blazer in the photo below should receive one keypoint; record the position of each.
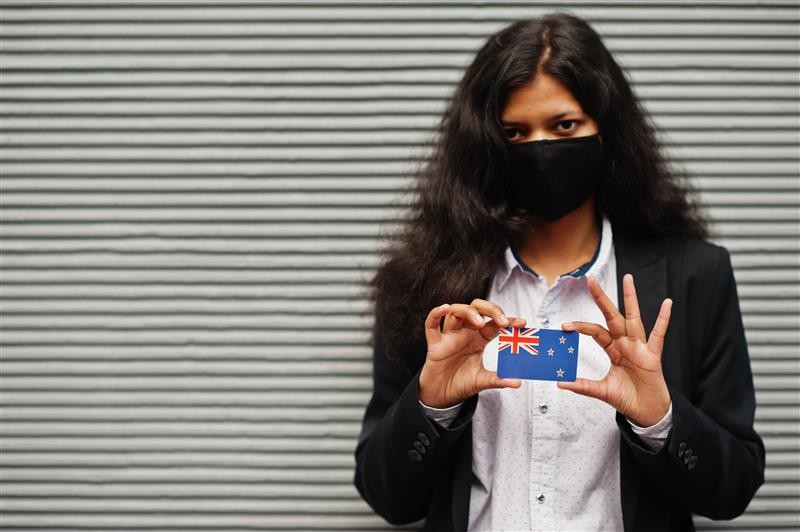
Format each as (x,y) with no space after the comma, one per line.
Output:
(711,464)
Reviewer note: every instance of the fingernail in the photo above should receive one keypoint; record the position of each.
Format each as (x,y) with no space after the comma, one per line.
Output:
(567,325)
(504,319)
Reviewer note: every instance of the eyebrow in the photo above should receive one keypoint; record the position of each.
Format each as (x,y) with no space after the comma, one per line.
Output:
(559,115)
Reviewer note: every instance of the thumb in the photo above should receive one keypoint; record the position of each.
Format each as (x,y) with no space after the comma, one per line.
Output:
(590,388)
(489,379)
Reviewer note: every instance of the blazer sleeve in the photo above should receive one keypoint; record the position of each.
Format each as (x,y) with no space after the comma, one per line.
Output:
(713,460)
(401,453)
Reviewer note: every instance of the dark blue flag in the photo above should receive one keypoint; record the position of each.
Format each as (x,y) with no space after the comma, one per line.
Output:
(538,354)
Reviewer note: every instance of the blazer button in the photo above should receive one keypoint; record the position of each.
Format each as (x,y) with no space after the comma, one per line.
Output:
(681,449)
(421,448)
(692,462)
(415,456)
(424,438)
(687,456)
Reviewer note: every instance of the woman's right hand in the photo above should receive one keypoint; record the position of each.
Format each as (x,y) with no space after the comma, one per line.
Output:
(453,369)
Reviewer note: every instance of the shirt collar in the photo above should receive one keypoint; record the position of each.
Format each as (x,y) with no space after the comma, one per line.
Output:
(511,261)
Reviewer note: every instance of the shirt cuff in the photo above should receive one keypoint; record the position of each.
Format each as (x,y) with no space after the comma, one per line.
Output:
(443,416)
(654,435)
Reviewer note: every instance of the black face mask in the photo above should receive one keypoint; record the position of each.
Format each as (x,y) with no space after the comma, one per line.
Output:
(551,178)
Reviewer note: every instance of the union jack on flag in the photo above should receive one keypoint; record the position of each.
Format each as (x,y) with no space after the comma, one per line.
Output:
(527,339)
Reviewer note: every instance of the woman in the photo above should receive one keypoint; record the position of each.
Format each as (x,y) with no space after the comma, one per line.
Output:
(547,202)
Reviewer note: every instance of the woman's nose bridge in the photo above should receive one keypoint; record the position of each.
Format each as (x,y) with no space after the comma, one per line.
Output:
(538,130)
(540,134)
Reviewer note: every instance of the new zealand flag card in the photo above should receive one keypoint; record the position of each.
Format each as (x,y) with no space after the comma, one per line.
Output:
(537,354)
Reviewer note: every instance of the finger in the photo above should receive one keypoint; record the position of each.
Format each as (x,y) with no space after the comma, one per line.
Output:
(600,335)
(614,320)
(655,344)
(467,314)
(489,379)
(595,330)
(490,329)
(633,321)
(487,308)
(589,388)
(432,322)
(517,322)
(452,323)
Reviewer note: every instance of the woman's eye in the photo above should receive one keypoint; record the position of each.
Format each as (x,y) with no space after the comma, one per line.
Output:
(509,132)
(570,122)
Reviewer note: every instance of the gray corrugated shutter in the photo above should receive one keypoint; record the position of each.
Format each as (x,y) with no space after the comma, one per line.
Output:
(192,199)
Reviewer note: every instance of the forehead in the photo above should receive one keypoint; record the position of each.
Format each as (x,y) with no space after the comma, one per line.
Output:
(544,97)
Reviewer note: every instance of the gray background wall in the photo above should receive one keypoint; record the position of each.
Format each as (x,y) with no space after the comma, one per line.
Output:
(194,193)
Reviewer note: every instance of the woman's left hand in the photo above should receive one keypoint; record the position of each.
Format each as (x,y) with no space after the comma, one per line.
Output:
(635,384)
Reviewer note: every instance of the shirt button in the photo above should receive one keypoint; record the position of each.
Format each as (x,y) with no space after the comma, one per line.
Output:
(545,322)
(540,498)
(543,408)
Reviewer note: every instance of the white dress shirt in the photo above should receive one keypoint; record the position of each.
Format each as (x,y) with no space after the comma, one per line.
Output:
(545,458)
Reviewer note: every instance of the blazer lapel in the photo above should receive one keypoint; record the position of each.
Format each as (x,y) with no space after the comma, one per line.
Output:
(649,270)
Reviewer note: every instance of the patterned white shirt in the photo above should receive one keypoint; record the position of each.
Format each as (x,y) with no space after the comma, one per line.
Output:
(545,458)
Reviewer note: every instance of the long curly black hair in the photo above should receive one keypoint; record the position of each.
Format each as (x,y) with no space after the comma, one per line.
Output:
(460,224)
